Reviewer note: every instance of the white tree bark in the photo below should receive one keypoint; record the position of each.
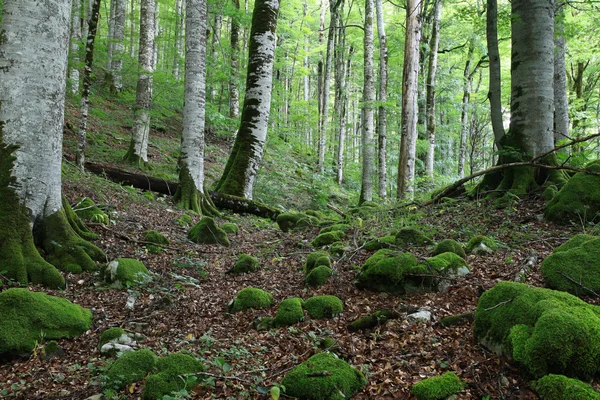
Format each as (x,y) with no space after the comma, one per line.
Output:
(110,36)
(178,53)
(410,81)
(138,148)
(368,148)
(382,114)
(430,101)
(75,41)
(117,46)
(464,114)
(561,100)
(234,93)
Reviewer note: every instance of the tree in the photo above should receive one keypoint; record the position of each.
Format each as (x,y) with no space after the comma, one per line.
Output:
(368,152)
(138,147)
(243,163)
(382,114)
(33,70)
(117,45)
(178,53)
(434,43)
(234,94)
(75,40)
(410,78)
(494,94)
(464,113)
(561,100)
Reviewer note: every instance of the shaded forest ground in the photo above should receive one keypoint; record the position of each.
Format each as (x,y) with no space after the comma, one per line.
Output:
(184,308)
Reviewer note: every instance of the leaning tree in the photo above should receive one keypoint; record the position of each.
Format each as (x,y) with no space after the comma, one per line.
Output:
(33,67)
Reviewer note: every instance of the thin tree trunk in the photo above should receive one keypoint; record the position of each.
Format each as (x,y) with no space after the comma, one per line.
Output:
(111,30)
(214,50)
(132,31)
(494,94)
(118,46)
(382,114)
(87,83)
(430,87)
(410,82)
(75,40)
(234,93)
(321,93)
(341,99)
(368,151)
(561,100)
(464,114)
(178,53)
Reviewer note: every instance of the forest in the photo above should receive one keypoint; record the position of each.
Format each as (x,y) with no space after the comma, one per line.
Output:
(311,199)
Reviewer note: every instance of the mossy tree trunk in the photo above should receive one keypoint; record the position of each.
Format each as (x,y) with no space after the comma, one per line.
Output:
(33,61)
(242,167)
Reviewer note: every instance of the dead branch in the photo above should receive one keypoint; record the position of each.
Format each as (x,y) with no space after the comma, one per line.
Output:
(499,304)
(567,277)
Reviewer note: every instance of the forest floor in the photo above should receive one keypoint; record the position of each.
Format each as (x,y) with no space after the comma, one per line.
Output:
(178,316)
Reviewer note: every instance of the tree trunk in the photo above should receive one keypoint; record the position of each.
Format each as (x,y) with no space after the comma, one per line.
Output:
(561,100)
(87,83)
(410,81)
(234,93)
(33,61)
(321,93)
(214,50)
(110,35)
(430,87)
(368,151)
(75,41)
(494,94)
(242,167)
(179,38)
(464,113)
(138,147)
(382,115)
(117,46)
(132,31)
(341,99)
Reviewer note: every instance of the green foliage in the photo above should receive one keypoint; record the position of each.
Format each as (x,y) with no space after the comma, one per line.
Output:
(245,263)
(171,376)
(325,239)
(320,307)
(318,276)
(206,231)
(438,387)
(559,387)
(127,271)
(289,313)
(131,367)
(323,377)
(110,334)
(27,318)
(317,258)
(449,245)
(250,297)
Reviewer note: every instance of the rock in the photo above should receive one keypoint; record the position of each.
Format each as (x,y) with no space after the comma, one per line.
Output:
(327,238)
(129,368)
(388,271)
(316,259)
(50,350)
(383,242)
(251,298)
(245,263)
(126,271)
(206,231)
(169,376)
(438,387)
(99,396)
(411,237)
(336,227)
(449,246)
(447,265)
(320,307)
(294,220)
(318,276)
(420,316)
(378,318)
(230,228)
(290,312)
(559,387)
(111,349)
(114,340)
(478,241)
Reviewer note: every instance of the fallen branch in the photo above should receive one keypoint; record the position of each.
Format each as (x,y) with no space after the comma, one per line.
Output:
(499,304)
(567,277)
(337,210)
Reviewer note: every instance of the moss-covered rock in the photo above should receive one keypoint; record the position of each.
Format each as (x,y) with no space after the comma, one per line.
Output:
(324,239)
(316,259)
(545,331)
(579,198)
(87,209)
(323,377)
(245,263)
(290,312)
(378,318)
(448,264)
(320,307)
(336,227)
(337,249)
(251,298)
(576,241)
(230,228)
(27,318)
(130,367)
(574,269)
(317,214)
(184,220)
(438,387)
(50,350)
(171,376)
(126,271)
(549,192)
(479,240)
(206,231)
(559,387)
(318,276)
(110,334)
(294,220)
(156,237)
(412,237)
(383,242)
(391,272)
(449,246)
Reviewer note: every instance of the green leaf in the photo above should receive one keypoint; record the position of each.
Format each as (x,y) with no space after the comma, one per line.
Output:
(275,392)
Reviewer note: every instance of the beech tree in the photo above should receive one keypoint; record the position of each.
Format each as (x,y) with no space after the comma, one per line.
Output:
(243,163)
(116,45)
(33,70)
(561,98)
(234,93)
(434,43)
(75,41)
(382,113)
(368,151)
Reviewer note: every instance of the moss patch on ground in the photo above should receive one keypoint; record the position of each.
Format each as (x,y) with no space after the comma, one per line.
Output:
(290,312)
(230,228)
(251,298)
(321,307)
(206,231)
(438,387)
(447,264)
(130,367)
(87,209)
(295,220)
(383,242)
(378,318)
(559,387)
(412,237)
(316,259)
(27,318)
(171,376)
(476,241)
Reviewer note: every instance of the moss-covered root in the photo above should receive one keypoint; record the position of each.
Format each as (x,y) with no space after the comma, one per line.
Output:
(76,223)
(65,249)
(438,387)
(189,197)
(559,387)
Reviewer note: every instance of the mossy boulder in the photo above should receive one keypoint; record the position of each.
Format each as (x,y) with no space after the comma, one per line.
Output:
(576,241)
(184,220)
(251,298)
(295,220)
(206,231)
(544,331)
(27,318)
(336,227)
(337,249)
(549,192)
(318,276)
(156,239)
(316,259)
(383,242)
(323,377)
(86,209)
(391,272)
(324,239)
(447,264)
(481,242)
(578,199)
(126,271)
(130,367)
(109,335)
(245,263)
(50,350)
(171,376)
(412,237)
(321,307)
(230,228)
(378,318)
(559,387)
(449,246)
(574,268)
(438,387)
(290,312)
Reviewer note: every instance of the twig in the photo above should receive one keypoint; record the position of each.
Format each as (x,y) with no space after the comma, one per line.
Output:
(577,283)
(499,304)
(337,210)
(233,377)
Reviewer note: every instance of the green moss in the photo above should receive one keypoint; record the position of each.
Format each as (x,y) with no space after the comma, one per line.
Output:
(438,387)
(550,192)
(579,198)
(385,271)
(245,263)
(323,377)
(131,367)
(458,319)
(337,249)
(336,227)
(318,276)
(576,241)
(324,239)
(317,214)
(545,331)
(27,318)
(508,200)
(376,319)
(449,245)
(230,228)
(87,209)
(317,258)
(50,350)
(127,271)
(171,376)
(479,239)
(193,198)
(320,307)
(292,220)
(411,236)
(155,237)
(447,263)
(153,249)
(571,263)
(110,334)
(383,242)
(76,223)
(289,313)
(250,297)
(207,232)
(559,387)
(184,220)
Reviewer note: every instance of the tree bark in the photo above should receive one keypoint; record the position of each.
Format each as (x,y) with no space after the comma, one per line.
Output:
(245,158)
(561,100)
(321,93)
(430,87)
(464,113)
(179,39)
(117,46)
(341,100)
(382,114)
(494,94)
(410,81)
(75,41)
(138,147)
(234,93)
